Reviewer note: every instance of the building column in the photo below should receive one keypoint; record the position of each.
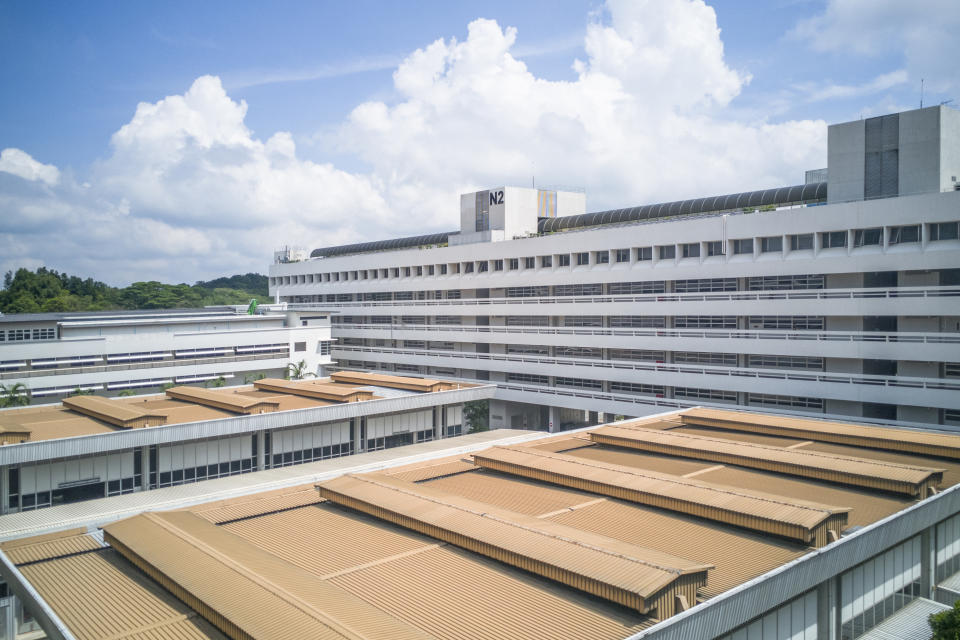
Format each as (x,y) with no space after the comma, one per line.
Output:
(439,422)
(145,468)
(4,491)
(928,562)
(828,613)
(356,426)
(261,451)
(552,425)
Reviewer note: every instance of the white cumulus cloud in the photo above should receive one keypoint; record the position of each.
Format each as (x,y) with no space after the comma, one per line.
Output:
(187,191)
(22,165)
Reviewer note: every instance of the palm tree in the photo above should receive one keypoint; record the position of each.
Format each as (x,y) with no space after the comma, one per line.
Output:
(298,371)
(15,395)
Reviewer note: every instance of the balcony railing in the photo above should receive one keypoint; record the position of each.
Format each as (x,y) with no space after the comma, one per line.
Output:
(42,373)
(713,296)
(739,334)
(730,372)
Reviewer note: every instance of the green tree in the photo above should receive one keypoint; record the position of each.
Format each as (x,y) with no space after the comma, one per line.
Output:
(946,624)
(14,395)
(298,371)
(219,382)
(126,392)
(476,415)
(80,392)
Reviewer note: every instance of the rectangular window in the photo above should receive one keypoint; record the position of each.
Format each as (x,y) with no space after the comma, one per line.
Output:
(714,248)
(430,270)
(867,237)
(443,269)
(668,252)
(631,387)
(632,288)
(602,257)
(583,321)
(802,323)
(705,322)
(578,383)
(801,242)
(742,246)
(406,272)
(527,292)
(623,255)
(468,267)
(644,253)
(546,261)
(594,289)
(482,266)
(482,211)
(690,250)
(513,264)
(563,260)
(760,361)
(638,354)
(780,283)
(498,265)
(418,271)
(944,231)
(833,239)
(771,244)
(705,394)
(527,378)
(638,322)
(583,258)
(904,235)
(299,346)
(529,262)
(705,284)
(705,357)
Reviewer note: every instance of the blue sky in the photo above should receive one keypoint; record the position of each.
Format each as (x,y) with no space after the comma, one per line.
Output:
(323,76)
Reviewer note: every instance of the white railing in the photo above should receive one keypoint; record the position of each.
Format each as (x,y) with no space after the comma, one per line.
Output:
(183,362)
(741,334)
(730,372)
(712,296)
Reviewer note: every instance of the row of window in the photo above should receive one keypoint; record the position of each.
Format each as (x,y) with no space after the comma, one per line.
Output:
(903,234)
(21,335)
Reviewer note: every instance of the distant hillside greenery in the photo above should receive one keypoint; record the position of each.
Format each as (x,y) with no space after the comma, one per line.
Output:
(47,290)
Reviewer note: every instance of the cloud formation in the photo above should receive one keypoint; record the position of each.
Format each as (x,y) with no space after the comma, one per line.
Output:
(188,192)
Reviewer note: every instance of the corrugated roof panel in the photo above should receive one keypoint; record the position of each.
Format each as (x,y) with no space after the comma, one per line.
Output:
(311,389)
(114,412)
(800,520)
(46,547)
(640,578)
(228,401)
(456,595)
(98,595)
(220,575)
(394,382)
(921,442)
(886,476)
(738,555)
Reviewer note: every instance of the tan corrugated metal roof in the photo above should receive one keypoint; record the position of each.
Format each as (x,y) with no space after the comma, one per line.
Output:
(37,548)
(421,472)
(887,476)
(514,494)
(98,595)
(312,389)
(120,414)
(922,442)
(226,400)
(753,510)
(395,382)
(240,588)
(738,555)
(456,595)
(260,504)
(632,576)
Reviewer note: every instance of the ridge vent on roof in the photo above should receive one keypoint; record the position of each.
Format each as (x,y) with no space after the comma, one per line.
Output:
(807,522)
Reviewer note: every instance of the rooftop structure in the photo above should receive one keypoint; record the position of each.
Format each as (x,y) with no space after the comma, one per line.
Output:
(451,546)
(90,447)
(112,352)
(835,298)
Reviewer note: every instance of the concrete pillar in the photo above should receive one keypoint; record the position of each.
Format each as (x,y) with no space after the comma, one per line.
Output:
(439,422)
(261,451)
(4,492)
(552,425)
(357,425)
(928,562)
(828,611)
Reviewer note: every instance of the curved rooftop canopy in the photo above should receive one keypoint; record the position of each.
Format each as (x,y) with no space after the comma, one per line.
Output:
(798,194)
(381,245)
(780,196)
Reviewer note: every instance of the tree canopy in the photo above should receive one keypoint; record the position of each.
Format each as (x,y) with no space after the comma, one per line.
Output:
(46,290)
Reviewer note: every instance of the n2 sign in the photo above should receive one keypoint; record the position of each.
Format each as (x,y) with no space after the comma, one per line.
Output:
(496,197)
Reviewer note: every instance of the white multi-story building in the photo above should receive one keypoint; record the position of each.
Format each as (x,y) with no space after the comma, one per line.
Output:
(837,297)
(54,354)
